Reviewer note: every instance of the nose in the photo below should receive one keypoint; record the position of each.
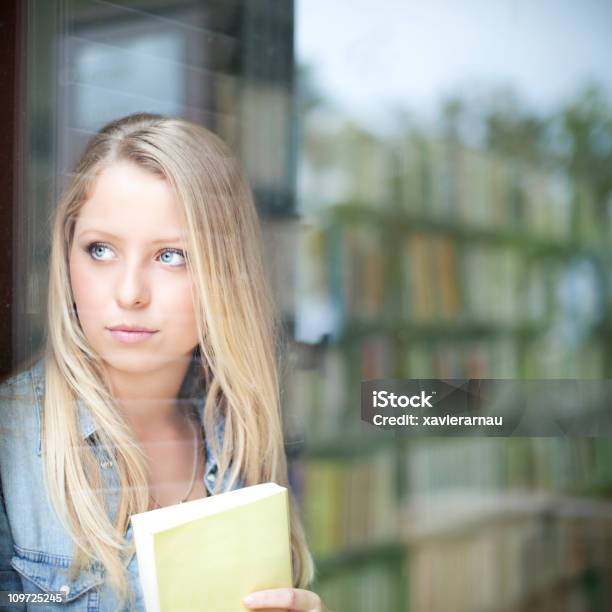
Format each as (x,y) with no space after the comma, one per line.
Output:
(133,289)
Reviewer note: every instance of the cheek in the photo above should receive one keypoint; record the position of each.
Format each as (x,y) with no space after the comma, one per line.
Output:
(86,289)
(178,306)
(78,281)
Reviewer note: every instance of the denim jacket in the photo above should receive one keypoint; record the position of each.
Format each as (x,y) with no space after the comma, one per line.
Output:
(35,549)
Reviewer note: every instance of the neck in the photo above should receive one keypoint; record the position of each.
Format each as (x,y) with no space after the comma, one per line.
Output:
(149,399)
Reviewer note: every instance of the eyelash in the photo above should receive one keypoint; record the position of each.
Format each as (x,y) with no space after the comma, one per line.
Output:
(89,248)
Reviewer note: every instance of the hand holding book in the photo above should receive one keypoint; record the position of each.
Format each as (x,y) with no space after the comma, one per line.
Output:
(293,600)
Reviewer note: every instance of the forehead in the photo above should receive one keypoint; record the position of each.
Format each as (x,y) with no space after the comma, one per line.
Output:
(129,199)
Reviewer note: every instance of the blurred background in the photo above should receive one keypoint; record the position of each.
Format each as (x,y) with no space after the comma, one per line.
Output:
(434,182)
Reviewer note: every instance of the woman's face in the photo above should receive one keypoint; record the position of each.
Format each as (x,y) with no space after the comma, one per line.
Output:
(128,270)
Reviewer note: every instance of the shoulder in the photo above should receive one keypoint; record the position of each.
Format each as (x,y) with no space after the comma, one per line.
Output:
(24,383)
(20,397)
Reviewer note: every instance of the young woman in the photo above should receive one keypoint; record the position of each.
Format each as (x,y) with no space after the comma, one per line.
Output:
(160,381)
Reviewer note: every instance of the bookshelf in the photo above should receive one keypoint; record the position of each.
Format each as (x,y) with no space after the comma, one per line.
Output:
(511,551)
(452,271)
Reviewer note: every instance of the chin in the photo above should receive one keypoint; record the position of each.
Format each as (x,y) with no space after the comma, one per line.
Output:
(138,362)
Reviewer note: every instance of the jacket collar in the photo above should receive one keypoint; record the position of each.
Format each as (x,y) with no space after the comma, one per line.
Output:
(87,425)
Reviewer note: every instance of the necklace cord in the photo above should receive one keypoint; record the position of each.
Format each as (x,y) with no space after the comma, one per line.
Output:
(194,470)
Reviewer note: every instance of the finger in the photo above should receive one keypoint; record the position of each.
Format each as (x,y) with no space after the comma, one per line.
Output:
(298,600)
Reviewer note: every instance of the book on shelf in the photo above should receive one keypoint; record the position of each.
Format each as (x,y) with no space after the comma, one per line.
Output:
(442,179)
(421,297)
(490,277)
(494,358)
(315,390)
(349,503)
(410,176)
(343,161)
(552,465)
(445,275)
(211,552)
(376,357)
(373,587)
(362,272)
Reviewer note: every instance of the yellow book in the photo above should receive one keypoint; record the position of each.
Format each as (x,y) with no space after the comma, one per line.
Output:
(209,553)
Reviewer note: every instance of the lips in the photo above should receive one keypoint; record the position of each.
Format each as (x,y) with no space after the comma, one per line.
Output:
(130,334)
(131,328)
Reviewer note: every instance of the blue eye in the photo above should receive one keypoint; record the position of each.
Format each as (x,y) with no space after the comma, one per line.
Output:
(173,257)
(102,252)
(97,250)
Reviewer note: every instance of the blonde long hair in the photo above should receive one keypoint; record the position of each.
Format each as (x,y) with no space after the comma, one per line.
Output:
(240,344)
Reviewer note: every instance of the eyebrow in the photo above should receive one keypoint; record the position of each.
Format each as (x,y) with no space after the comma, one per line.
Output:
(109,235)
